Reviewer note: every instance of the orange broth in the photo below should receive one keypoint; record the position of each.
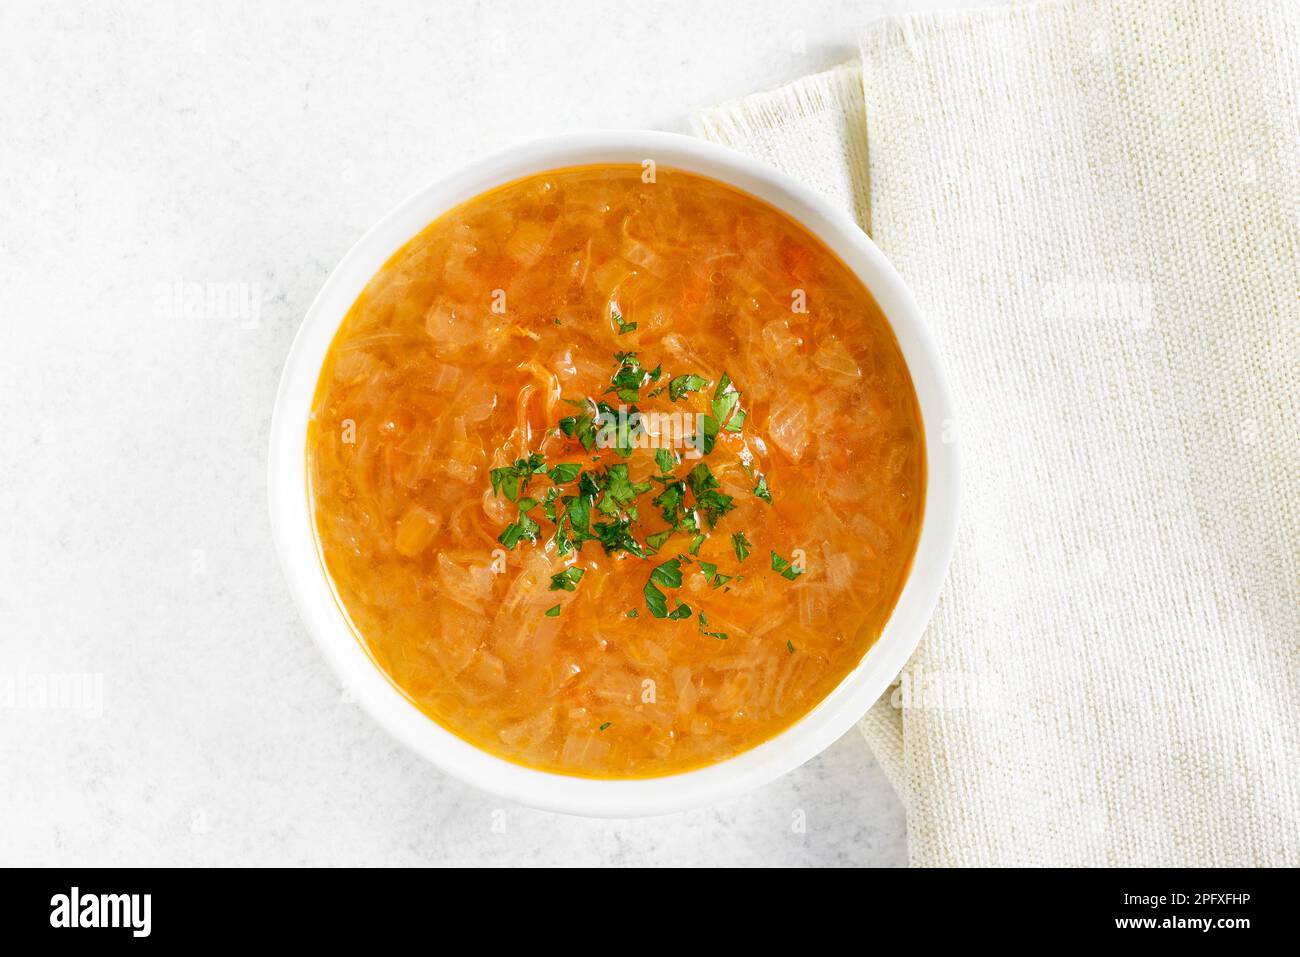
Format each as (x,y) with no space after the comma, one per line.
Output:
(485,340)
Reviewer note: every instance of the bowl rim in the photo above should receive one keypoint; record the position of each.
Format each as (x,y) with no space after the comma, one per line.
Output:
(297,549)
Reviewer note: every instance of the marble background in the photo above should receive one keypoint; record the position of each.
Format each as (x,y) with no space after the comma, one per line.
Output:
(245,147)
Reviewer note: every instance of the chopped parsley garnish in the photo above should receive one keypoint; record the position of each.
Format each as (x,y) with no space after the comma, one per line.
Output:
(617,429)
(618,319)
(704,623)
(666,459)
(607,723)
(582,427)
(568,579)
(578,511)
(589,484)
(620,490)
(565,542)
(726,405)
(707,497)
(787,570)
(670,500)
(551,504)
(656,602)
(680,386)
(511,479)
(789,645)
(525,527)
(591,503)
(564,473)
(656,539)
(617,536)
(708,438)
(712,575)
(742,546)
(667,575)
(630,377)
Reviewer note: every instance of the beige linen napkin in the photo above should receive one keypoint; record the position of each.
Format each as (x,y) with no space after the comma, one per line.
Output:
(1097,205)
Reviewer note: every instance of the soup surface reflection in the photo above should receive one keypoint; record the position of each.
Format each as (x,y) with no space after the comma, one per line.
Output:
(616,474)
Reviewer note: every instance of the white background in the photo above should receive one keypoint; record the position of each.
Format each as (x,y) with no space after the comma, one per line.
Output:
(253,144)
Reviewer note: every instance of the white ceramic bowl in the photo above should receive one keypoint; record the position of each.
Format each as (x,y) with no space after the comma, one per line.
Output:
(296,543)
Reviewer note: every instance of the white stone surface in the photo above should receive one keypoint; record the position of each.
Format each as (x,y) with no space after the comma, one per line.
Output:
(252,144)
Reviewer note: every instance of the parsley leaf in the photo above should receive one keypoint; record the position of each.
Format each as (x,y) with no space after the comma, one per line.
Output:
(762,491)
(670,501)
(553,611)
(568,579)
(619,487)
(582,427)
(655,600)
(704,623)
(708,437)
(618,319)
(578,510)
(707,497)
(615,536)
(741,545)
(666,459)
(712,576)
(787,570)
(525,527)
(565,542)
(680,386)
(629,377)
(589,484)
(667,575)
(656,539)
(511,479)
(618,429)
(564,473)
(550,504)
(726,405)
